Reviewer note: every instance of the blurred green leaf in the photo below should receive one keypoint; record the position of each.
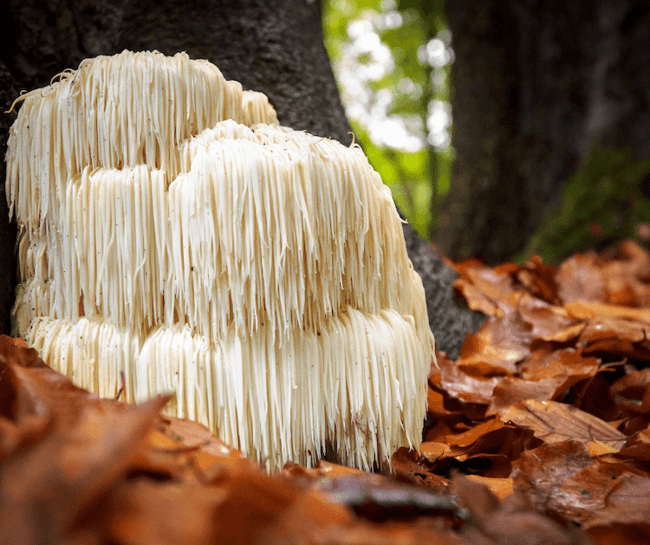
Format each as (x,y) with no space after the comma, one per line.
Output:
(417,179)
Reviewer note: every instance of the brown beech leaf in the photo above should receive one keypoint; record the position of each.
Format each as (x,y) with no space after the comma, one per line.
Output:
(56,478)
(637,452)
(512,390)
(336,470)
(624,274)
(496,348)
(432,450)
(411,465)
(604,328)
(580,277)
(500,487)
(633,425)
(487,449)
(513,520)
(628,276)
(256,505)
(472,435)
(485,289)
(562,478)
(585,310)
(562,363)
(637,448)
(626,514)
(556,422)
(544,376)
(475,298)
(322,472)
(186,451)
(459,384)
(539,279)
(29,387)
(632,385)
(151,511)
(436,408)
(546,319)
(565,335)
(209,454)
(39,391)
(624,337)
(244,506)
(442,429)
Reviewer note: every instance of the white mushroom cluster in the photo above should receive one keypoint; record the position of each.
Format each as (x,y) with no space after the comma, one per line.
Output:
(173,232)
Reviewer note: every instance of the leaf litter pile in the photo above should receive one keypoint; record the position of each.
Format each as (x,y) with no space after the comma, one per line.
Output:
(538,433)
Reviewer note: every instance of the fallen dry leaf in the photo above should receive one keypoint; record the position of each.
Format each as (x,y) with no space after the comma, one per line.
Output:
(486,290)
(557,422)
(562,478)
(514,520)
(619,277)
(500,487)
(581,277)
(496,348)
(511,390)
(585,310)
(459,384)
(626,514)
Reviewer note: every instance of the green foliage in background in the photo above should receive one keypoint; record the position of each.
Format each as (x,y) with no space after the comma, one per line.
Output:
(601,203)
(418,178)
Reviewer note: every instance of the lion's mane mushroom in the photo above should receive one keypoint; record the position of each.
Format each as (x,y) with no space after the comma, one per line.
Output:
(173,231)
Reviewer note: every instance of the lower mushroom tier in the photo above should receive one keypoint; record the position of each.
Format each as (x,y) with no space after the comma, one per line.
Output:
(357,383)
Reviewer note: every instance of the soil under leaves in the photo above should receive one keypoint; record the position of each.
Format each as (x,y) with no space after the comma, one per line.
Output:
(538,433)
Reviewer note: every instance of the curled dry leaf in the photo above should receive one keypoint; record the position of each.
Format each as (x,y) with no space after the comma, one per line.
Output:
(496,348)
(459,384)
(486,290)
(539,279)
(544,376)
(562,363)
(500,487)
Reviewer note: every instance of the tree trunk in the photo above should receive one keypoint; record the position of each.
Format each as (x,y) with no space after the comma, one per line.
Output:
(535,86)
(275,47)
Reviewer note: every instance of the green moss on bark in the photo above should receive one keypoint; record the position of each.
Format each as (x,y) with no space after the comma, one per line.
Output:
(602,202)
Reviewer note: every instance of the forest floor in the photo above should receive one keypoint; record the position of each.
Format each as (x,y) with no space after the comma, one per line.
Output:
(538,433)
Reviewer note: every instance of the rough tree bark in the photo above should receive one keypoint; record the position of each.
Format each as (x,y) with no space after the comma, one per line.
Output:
(534,86)
(272,46)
